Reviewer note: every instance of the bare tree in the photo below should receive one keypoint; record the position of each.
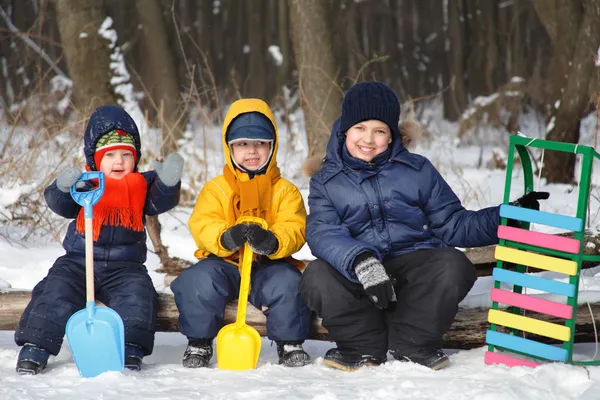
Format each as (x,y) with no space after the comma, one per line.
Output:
(255,81)
(455,99)
(163,82)
(87,53)
(320,96)
(576,35)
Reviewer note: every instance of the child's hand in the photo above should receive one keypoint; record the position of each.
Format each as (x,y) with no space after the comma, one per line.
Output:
(233,238)
(375,280)
(67,178)
(169,172)
(530,200)
(261,241)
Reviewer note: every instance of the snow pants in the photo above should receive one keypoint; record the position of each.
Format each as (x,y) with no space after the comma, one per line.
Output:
(123,286)
(429,284)
(203,290)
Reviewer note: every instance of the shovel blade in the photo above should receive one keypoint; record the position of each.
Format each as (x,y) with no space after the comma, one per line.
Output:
(97,340)
(238,347)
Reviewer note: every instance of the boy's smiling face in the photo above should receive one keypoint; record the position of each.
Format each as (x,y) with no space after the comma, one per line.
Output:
(251,154)
(117,164)
(367,139)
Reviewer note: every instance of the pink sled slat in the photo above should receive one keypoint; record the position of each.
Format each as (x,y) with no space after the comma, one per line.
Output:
(532,303)
(545,240)
(497,358)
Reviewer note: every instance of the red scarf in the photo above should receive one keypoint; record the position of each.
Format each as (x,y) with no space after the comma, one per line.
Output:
(122,204)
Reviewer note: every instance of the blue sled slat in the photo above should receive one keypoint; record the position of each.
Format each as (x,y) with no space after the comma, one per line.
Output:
(541,217)
(526,346)
(96,337)
(533,282)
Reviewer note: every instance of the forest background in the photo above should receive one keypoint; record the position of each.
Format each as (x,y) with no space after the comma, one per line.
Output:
(177,62)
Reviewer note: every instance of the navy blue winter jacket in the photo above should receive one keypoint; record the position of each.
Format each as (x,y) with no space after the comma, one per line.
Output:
(394,205)
(115,243)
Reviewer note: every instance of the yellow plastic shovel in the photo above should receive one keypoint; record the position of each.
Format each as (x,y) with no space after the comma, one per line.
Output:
(238,345)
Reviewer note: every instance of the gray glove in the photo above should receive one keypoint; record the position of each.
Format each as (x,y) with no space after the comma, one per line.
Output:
(169,172)
(67,178)
(375,280)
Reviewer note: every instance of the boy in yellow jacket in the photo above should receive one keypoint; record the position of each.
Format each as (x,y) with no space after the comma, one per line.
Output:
(250,185)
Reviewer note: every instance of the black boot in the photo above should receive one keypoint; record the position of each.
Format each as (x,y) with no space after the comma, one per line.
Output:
(350,359)
(291,354)
(32,359)
(198,353)
(431,358)
(133,357)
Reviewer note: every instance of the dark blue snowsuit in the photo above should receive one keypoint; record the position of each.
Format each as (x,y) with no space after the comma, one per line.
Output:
(121,279)
(401,210)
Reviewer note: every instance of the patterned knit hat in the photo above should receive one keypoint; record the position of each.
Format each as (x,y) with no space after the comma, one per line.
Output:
(114,140)
(370,100)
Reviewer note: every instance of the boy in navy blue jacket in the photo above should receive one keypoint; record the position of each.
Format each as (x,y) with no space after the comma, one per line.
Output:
(112,146)
(383,223)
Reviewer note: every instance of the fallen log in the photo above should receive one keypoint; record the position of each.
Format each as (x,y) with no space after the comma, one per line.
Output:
(467,331)
(485,255)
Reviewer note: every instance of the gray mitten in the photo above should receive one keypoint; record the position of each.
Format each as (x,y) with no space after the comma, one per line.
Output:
(169,172)
(67,178)
(375,280)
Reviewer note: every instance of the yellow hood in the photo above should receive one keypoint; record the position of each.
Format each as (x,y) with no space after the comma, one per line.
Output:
(240,107)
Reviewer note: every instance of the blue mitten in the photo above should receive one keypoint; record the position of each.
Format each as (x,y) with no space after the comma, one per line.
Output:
(169,172)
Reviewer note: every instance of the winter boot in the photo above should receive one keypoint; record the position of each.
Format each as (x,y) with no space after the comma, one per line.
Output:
(198,353)
(133,357)
(348,359)
(291,354)
(32,359)
(431,358)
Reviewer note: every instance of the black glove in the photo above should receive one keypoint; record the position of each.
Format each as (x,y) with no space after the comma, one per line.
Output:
(375,280)
(261,241)
(530,200)
(234,238)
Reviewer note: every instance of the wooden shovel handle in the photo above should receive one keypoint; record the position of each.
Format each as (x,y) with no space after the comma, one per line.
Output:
(89,260)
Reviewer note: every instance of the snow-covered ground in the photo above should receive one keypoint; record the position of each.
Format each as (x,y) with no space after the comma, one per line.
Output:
(25,259)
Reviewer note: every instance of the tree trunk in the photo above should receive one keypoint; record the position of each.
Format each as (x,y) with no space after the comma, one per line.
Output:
(455,98)
(87,53)
(576,69)
(163,83)
(284,47)
(255,80)
(354,56)
(408,48)
(483,55)
(467,331)
(320,96)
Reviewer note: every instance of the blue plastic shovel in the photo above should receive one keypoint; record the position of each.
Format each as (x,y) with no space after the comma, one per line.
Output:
(96,334)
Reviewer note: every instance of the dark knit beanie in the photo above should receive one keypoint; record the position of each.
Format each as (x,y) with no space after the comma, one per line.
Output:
(370,100)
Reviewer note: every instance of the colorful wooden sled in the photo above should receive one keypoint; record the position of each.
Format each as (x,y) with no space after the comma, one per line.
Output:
(525,248)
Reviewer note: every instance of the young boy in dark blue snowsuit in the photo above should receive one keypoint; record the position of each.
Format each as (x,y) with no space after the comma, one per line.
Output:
(111,145)
(383,223)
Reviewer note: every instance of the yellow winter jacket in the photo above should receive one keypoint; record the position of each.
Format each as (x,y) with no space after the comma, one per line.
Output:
(211,218)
